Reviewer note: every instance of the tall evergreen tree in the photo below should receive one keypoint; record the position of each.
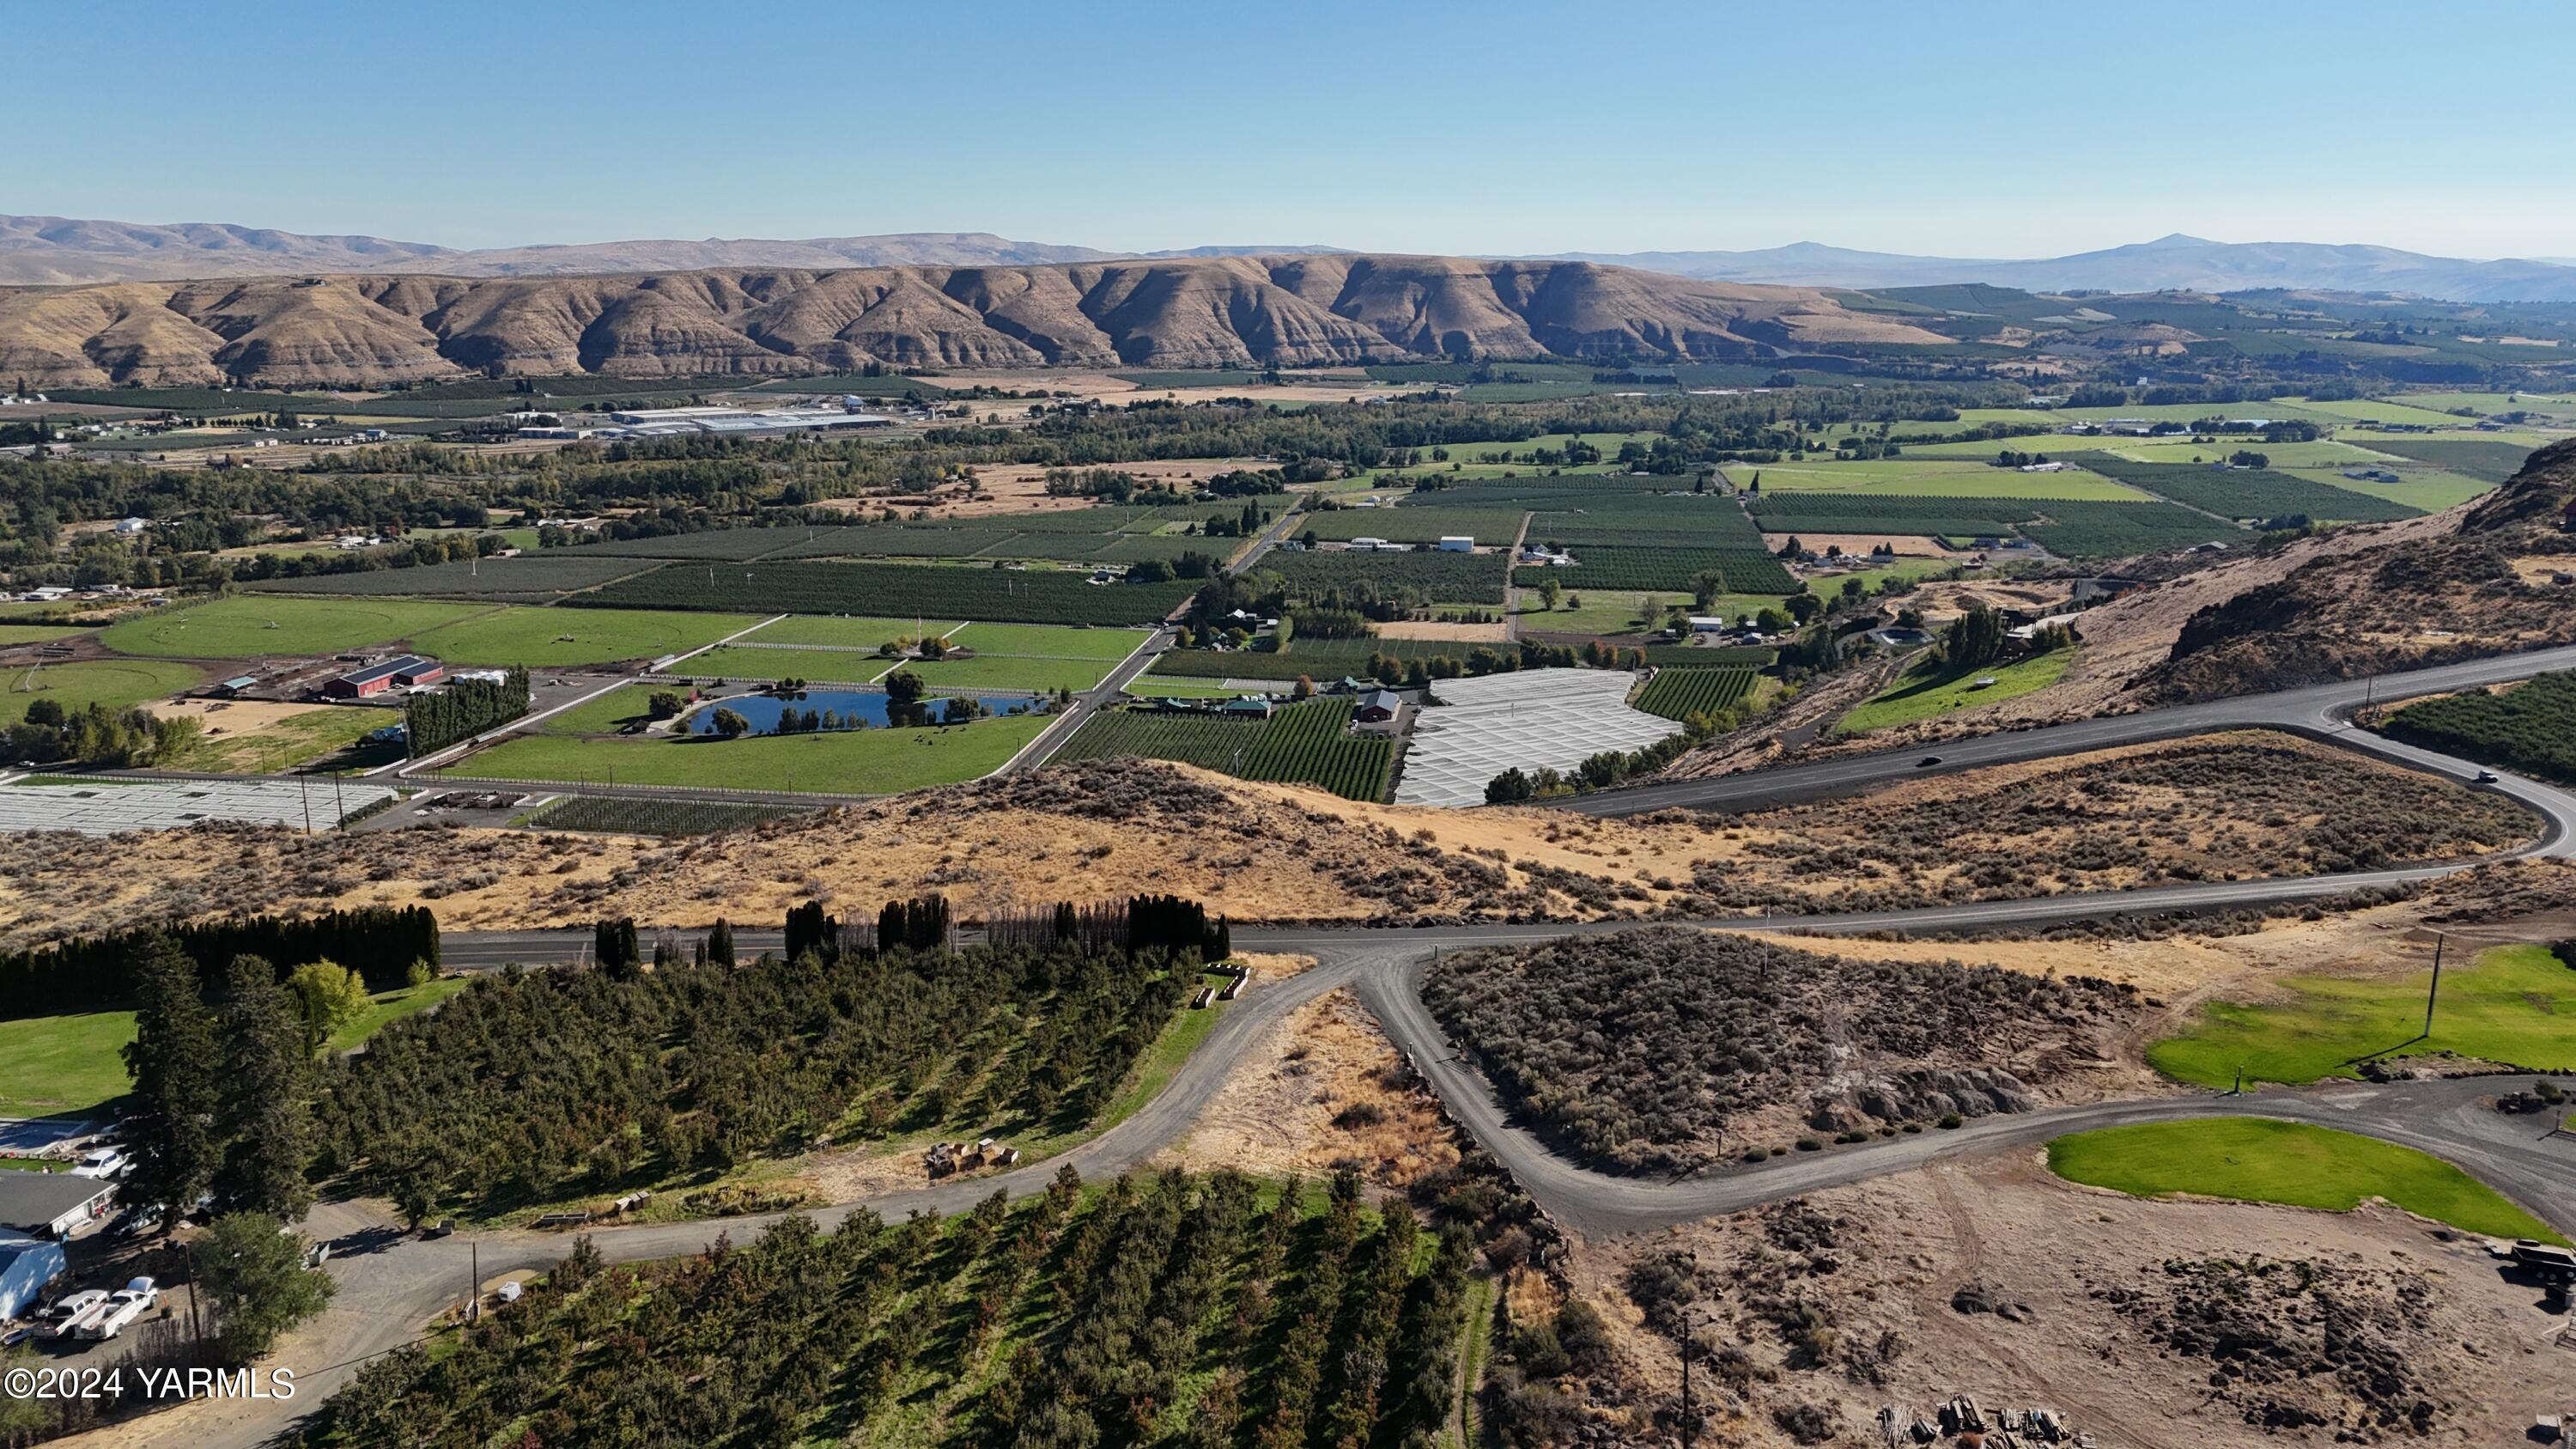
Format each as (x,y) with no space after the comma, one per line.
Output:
(266,1107)
(720,943)
(172,1059)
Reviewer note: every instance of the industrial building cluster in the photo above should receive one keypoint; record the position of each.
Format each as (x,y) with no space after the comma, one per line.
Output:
(719,422)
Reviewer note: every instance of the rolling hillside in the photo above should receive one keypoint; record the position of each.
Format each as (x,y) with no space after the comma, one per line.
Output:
(370,329)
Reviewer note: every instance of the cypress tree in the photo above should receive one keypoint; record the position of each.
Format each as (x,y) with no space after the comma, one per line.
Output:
(266,1109)
(720,943)
(171,1132)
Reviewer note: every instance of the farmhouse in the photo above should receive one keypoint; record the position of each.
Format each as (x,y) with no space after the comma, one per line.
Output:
(403,670)
(51,1204)
(1378,706)
(1250,706)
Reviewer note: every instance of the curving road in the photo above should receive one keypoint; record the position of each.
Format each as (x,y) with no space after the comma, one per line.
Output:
(390,1285)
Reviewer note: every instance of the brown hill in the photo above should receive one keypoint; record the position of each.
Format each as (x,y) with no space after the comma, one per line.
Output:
(1182,312)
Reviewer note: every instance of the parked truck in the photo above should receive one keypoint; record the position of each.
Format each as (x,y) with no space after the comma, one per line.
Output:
(130,1303)
(74,1312)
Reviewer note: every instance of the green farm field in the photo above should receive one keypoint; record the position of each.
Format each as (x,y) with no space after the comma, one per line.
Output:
(2292,1163)
(1920,695)
(2509,1005)
(1047,641)
(113,683)
(2429,489)
(606,715)
(852,762)
(562,638)
(837,632)
(246,626)
(835,666)
(1006,671)
(36,633)
(1936,478)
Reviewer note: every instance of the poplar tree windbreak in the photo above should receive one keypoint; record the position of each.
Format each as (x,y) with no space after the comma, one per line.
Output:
(265,1107)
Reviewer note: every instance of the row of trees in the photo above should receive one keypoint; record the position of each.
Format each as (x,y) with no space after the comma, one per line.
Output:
(391,945)
(463,709)
(95,735)
(223,1083)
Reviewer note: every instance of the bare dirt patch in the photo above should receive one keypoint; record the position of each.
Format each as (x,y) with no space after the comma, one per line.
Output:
(1322,1092)
(1435,629)
(2072,1298)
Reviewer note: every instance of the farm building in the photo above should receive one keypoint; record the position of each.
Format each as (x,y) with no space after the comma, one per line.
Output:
(51,1204)
(26,1266)
(1378,706)
(1457,543)
(1250,706)
(232,688)
(402,670)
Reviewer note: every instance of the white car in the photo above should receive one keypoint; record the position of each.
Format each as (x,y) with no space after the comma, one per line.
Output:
(102,1162)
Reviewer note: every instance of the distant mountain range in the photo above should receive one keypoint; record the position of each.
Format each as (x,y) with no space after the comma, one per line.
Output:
(2167,264)
(59,251)
(43,250)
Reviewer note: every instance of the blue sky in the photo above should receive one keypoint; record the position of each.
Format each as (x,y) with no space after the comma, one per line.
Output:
(1964,129)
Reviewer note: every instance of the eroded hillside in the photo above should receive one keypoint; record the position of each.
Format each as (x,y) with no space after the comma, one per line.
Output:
(1183,312)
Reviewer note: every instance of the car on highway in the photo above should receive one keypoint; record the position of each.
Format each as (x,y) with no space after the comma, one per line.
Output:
(2486,777)
(1927,762)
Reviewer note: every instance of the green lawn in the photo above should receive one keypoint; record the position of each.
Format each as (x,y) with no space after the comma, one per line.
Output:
(856,762)
(734,661)
(862,634)
(1151,687)
(390,1006)
(76,686)
(37,633)
(283,744)
(71,1065)
(1922,693)
(562,638)
(1051,641)
(2510,1005)
(251,626)
(1006,671)
(2260,1160)
(63,1065)
(605,715)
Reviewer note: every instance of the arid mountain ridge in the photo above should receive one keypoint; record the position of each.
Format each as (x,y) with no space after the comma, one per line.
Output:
(1298,310)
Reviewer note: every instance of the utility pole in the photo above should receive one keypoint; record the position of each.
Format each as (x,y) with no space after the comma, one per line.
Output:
(474,1282)
(2430,996)
(196,1330)
(304,788)
(1689,1420)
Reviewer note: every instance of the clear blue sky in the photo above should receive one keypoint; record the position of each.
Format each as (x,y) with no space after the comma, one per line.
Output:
(1967,128)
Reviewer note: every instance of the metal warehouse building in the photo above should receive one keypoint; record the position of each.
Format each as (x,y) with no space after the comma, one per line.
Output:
(401,671)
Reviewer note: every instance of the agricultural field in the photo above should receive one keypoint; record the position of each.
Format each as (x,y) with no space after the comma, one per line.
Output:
(1306,743)
(2247,493)
(110,683)
(1893,514)
(1925,692)
(1322,660)
(1680,692)
(2529,726)
(2486,459)
(2119,530)
(1155,686)
(2508,1005)
(2262,1160)
(2422,488)
(1493,523)
(529,578)
(1208,1308)
(1453,578)
(839,762)
(1938,477)
(860,633)
(1611,611)
(618,815)
(1043,641)
(1630,569)
(894,590)
(610,713)
(37,633)
(564,638)
(247,626)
